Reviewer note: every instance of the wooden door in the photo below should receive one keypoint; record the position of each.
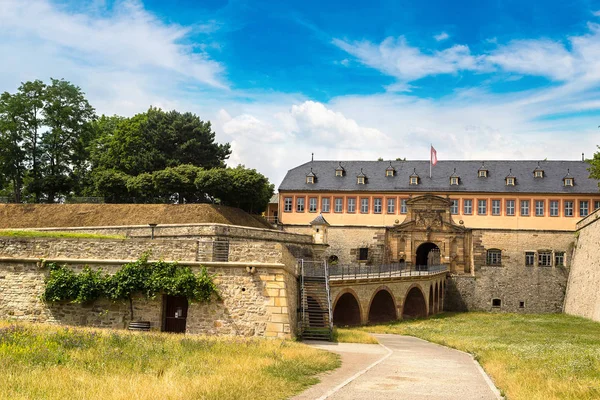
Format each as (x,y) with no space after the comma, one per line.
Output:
(175,313)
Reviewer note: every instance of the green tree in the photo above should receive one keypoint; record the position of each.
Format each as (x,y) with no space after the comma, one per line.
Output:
(595,166)
(66,115)
(12,156)
(32,97)
(111,184)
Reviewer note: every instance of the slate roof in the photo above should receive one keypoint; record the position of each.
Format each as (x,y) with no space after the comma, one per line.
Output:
(554,172)
(319,220)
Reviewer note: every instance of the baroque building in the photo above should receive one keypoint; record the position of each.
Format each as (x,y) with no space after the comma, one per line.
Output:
(504,229)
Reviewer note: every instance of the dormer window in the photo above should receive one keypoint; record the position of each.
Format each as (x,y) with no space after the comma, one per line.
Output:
(482,172)
(390,171)
(361,178)
(511,180)
(414,178)
(538,172)
(568,180)
(340,171)
(310,177)
(454,179)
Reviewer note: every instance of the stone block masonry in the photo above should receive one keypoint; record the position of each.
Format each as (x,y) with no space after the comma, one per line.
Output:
(583,295)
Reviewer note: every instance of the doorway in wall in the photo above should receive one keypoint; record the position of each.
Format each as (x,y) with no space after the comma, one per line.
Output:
(175,309)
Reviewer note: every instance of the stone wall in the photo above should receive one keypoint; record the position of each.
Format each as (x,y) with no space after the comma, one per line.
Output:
(257,285)
(519,288)
(583,296)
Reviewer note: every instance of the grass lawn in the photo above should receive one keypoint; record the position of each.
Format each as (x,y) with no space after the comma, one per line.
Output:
(55,234)
(50,362)
(540,356)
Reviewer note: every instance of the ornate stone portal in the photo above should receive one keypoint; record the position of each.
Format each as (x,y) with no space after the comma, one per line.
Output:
(428,225)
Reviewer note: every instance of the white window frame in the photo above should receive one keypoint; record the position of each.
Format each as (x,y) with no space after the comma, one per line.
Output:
(544,259)
(312,204)
(454,209)
(496,207)
(510,205)
(530,258)
(568,181)
(559,255)
(538,174)
(325,204)
(467,205)
(338,204)
(339,172)
(351,204)
(300,203)
(310,179)
(596,205)
(482,173)
(288,204)
(554,208)
(414,180)
(360,180)
(525,208)
(364,205)
(389,172)
(584,211)
(540,208)
(403,206)
(510,181)
(493,257)
(377,205)
(482,207)
(454,180)
(391,206)
(569,208)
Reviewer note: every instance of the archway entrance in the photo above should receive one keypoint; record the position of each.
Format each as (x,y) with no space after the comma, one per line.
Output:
(427,254)
(382,308)
(414,304)
(346,311)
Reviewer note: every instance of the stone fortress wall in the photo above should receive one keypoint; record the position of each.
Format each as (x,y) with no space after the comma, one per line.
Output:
(583,294)
(257,280)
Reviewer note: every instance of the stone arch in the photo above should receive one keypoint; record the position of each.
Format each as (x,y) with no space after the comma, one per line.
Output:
(414,303)
(422,253)
(382,306)
(436,299)
(430,299)
(441,306)
(346,309)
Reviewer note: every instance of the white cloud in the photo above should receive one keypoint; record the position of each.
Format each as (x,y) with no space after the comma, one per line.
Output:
(127,38)
(395,57)
(442,36)
(596,13)
(535,57)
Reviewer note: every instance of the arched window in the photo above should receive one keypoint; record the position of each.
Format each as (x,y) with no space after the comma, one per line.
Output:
(494,257)
(333,259)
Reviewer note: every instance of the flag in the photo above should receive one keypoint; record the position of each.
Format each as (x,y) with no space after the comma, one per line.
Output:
(433,158)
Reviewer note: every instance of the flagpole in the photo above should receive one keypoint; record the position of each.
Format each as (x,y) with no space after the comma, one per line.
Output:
(430,153)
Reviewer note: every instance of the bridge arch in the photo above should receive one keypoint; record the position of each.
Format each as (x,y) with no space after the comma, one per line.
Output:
(430,299)
(382,307)
(436,299)
(346,309)
(414,303)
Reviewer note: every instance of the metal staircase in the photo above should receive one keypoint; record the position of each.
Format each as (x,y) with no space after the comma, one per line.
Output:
(315,315)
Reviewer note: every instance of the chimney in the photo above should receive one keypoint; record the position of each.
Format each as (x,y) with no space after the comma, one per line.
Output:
(582,157)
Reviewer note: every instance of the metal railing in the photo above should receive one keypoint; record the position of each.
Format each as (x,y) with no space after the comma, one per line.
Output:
(358,271)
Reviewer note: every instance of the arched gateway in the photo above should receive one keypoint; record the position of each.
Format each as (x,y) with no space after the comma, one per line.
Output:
(346,311)
(414,304)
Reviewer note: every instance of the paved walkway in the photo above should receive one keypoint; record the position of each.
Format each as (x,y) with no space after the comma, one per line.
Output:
(411,369)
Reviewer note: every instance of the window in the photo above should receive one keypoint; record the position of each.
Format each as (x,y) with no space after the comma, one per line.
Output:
(312,204)
(454,180)
(539,208)
(596,204)
(482,207)
(467,206)
(360,180)
(364,206)
(310,179)
(568,181)
(377,204)
(403,207)
(494,257)
(454,207)
(414,180)
(351,205)
(287,204)
(559,258)
(496,207)
(584,208)
(363,254)
(339,172)
(325,204)
(554,208)
(545,258)
(389,172)
(391,206)
(339,203)
(510,181)
(482,173)
(510,207)
(538,173)
(300,204)
(525,208)
(529,258)
(568,208)
(496,303)
(521,304)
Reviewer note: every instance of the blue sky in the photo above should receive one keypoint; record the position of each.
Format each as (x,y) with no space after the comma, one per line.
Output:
(360,80)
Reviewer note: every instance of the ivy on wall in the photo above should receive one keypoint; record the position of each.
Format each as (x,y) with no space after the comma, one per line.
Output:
(141,276)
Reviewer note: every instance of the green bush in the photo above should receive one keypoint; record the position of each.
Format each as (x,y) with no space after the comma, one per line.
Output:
(141,276)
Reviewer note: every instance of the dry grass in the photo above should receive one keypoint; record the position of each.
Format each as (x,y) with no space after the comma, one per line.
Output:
(348,335)
(75,215)
(48,362)
(55,234)
(529,357)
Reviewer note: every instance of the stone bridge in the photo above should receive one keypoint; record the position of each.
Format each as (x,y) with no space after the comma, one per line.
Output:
(367,299)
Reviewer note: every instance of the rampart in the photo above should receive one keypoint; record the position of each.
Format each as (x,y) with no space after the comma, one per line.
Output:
(583,296)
